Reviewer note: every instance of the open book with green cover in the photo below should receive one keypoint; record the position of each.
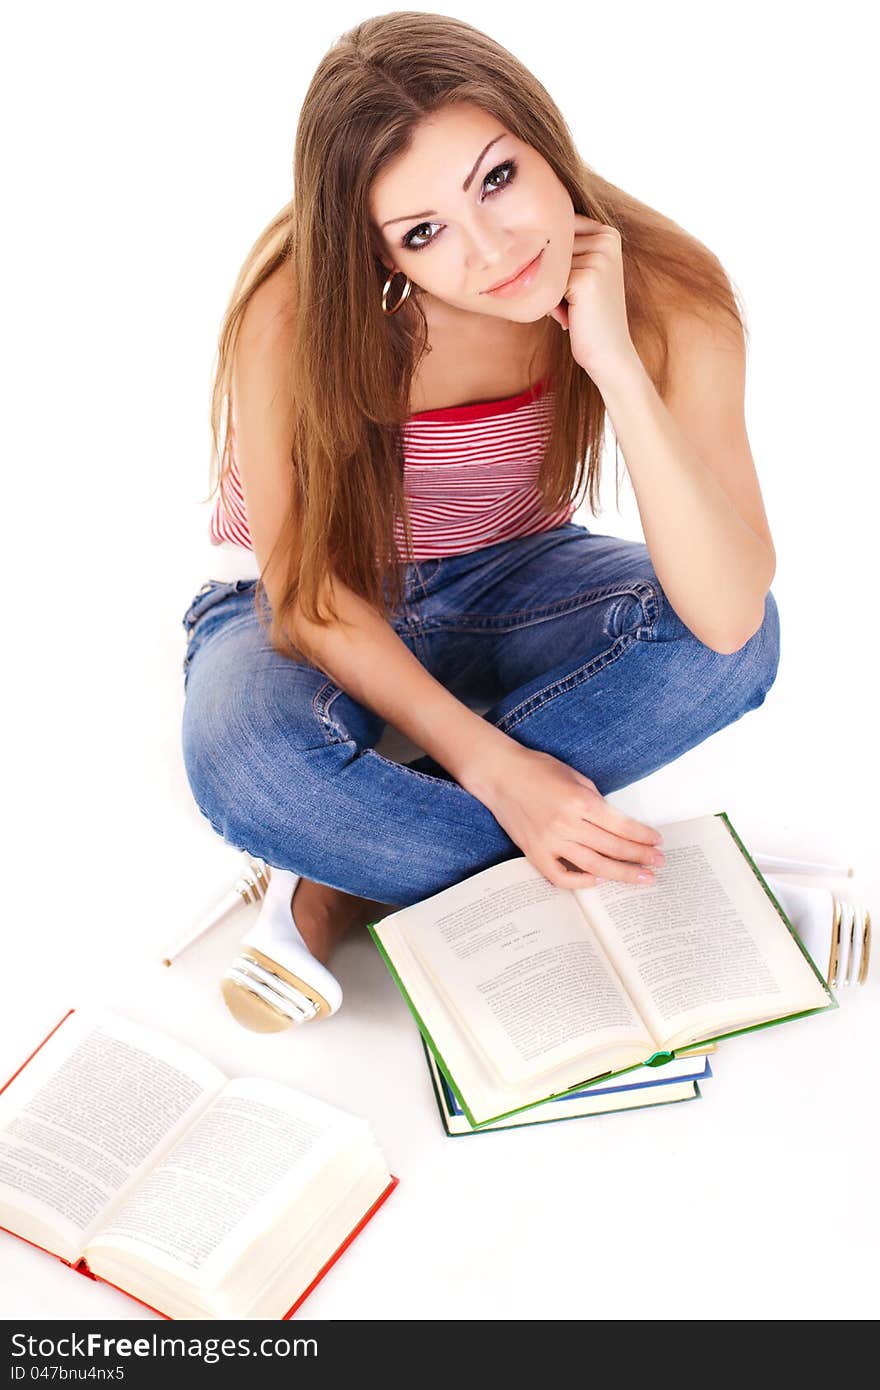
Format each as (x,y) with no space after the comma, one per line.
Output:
(524,990)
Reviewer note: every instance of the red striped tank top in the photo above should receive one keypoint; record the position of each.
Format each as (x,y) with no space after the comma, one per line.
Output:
(470,477)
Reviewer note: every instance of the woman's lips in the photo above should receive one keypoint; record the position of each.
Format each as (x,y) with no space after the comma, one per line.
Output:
(523,278)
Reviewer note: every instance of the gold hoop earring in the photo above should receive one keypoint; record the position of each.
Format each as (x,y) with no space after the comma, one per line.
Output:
(385,310)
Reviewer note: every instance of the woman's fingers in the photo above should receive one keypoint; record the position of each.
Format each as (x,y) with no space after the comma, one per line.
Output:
(565,875)
(612,846)
(605,816)
(578,861)
(561,822)
(624,826)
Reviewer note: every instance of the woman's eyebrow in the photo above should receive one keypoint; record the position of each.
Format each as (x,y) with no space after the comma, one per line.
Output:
(414,216)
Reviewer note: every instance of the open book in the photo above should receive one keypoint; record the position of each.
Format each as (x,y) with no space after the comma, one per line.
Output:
(524,990)
(132,1158)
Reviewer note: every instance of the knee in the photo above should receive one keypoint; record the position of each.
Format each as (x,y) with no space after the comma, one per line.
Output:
(218,771)
(658,622)
(763,648)
(745,674)
(256,790)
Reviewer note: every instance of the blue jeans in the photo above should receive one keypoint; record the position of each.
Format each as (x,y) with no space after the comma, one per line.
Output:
(566,635)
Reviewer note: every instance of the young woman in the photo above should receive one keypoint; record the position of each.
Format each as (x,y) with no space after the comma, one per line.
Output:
(418,363)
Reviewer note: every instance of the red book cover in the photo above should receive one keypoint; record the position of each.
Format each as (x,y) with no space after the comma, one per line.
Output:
(81,1265)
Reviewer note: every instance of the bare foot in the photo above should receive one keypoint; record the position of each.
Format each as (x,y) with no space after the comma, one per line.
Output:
(324,915)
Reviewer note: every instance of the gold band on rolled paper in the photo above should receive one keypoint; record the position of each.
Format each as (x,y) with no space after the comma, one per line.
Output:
(835,944)
(866,948)
(852,948)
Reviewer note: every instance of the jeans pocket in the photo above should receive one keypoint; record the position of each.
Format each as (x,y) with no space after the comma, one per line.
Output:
(211,593)
(209,597)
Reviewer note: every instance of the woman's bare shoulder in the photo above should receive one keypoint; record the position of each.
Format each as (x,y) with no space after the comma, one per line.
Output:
(270,309)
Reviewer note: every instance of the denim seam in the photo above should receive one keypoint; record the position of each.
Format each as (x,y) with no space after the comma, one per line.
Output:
(527,616)
(408,630)
(419,640)
(568,682)
(414,772)
(419,588)
(321,702)
(211,593)
(650,600)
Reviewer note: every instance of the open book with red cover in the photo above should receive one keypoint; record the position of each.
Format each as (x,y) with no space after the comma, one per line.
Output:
(137,1162)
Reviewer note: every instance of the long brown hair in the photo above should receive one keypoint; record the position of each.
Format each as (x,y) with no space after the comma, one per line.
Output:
(352,365)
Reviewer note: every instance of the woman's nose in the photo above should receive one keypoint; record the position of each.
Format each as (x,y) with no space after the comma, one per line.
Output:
(488,251)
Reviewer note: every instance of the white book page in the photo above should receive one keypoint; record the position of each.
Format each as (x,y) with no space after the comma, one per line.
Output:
(511,957)
(224,1184)
(702,949)
(484,1093)
(86,1117)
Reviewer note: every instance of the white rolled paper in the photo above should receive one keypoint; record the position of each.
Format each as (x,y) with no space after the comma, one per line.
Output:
(811,913)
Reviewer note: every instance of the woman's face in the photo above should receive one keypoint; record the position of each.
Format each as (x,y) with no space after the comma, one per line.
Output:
(468,205)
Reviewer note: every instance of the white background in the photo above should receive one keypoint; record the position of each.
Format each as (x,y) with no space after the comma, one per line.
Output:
(146,148)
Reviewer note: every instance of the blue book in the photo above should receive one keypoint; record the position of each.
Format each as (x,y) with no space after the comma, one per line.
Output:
(605,1099)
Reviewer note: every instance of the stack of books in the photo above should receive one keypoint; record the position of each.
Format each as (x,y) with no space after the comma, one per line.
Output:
(529,996)
(679,1082)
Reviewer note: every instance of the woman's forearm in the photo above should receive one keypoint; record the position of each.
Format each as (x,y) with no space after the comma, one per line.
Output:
(715,570)
(365,657)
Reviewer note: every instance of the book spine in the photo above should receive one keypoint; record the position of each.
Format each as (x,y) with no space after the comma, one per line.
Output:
(36,1050)
(726,821)
(344,1246)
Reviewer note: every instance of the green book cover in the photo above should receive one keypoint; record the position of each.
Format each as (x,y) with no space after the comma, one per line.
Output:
(653,1098)
(657,1058)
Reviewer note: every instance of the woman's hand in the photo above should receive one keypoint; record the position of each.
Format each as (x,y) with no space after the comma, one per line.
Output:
(562,823)
(593,306)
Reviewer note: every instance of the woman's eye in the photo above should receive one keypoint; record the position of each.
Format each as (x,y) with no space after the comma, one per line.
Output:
(510,165)
(508,168)
(410,245)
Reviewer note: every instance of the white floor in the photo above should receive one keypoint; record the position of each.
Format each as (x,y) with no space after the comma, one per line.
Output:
(759,1201)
